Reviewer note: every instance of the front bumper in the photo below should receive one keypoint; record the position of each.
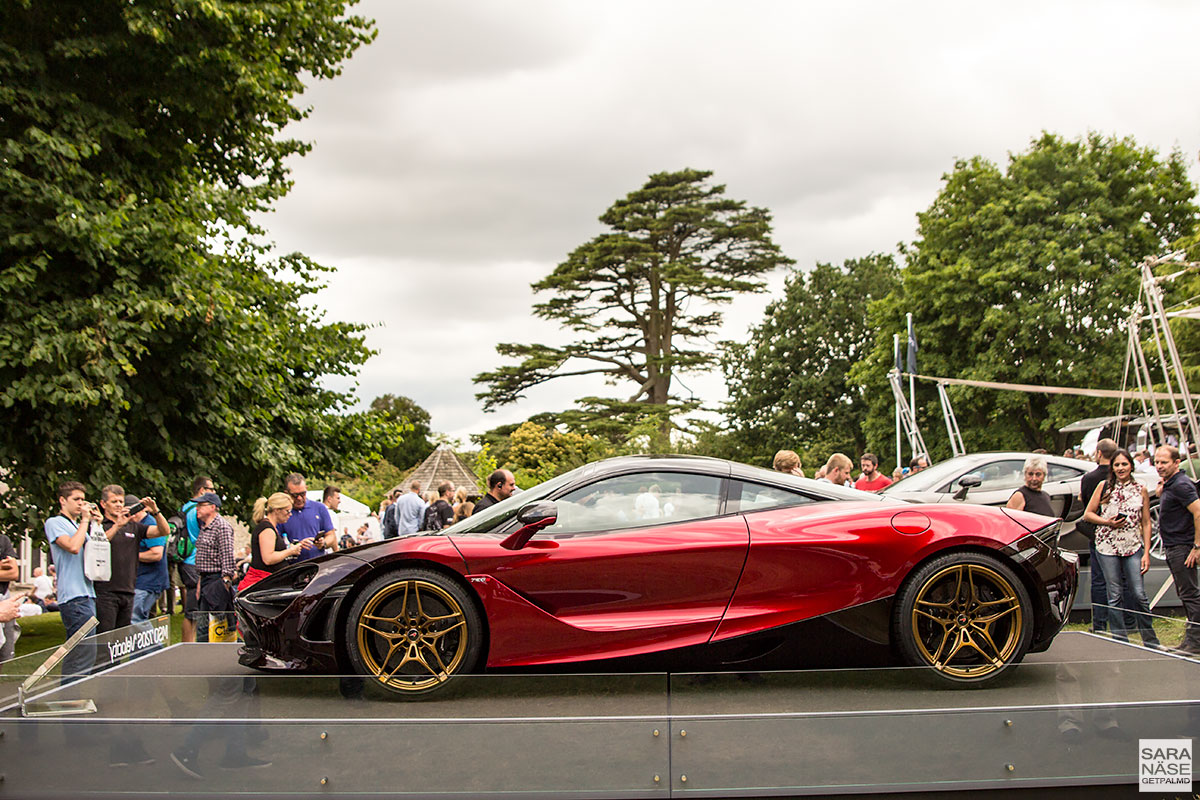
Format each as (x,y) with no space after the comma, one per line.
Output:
(294,613)
(1053,574)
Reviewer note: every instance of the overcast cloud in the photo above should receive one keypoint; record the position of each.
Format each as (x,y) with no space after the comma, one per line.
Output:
(471,147)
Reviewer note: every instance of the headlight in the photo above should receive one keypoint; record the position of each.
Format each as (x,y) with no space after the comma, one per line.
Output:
(1027,546)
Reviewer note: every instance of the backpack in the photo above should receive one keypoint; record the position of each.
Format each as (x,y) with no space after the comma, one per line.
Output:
(180,546)
(432,520)
(390,524)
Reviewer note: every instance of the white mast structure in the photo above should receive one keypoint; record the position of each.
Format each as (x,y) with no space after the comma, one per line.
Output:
(1149,308)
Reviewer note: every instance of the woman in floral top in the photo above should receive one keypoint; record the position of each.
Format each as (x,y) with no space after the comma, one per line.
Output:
(1120,509)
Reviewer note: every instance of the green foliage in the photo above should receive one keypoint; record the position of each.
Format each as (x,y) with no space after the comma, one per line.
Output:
(146,335)
(1027,275)
(415,447)
(549,452)
(484,464)
(789,384)
(640,298)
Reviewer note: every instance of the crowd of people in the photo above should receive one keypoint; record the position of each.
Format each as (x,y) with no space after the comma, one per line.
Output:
(1116,521)
(839,469)
(140,557)
(407,512)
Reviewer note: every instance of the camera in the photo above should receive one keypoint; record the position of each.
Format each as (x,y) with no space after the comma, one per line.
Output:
(135,508)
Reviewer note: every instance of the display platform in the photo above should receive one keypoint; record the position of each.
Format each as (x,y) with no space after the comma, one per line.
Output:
(1072,716)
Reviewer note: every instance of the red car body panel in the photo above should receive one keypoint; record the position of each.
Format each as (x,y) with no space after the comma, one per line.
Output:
(811,560)
(601,595)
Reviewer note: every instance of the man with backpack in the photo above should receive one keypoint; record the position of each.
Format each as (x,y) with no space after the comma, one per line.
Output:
(440,514)
(194,623)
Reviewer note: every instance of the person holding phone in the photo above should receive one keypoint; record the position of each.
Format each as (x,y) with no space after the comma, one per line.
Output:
(269,550)
(1120,510)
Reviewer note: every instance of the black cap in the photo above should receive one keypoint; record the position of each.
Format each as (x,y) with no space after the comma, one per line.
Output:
(209,497)
(132,500)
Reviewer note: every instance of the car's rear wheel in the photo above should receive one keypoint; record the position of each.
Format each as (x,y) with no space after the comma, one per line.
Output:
(966,616)
(412,631)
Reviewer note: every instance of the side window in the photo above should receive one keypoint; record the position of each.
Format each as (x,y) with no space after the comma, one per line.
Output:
(1001,475)
(637,500)
(1058,472)
(756,497)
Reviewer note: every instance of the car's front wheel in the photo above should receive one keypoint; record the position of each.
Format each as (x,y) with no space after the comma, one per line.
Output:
(412,631)
(967,616)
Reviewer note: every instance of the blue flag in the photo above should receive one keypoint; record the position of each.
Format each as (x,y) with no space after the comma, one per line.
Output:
(912,351)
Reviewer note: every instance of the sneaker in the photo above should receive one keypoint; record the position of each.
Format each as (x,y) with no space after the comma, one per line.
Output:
(242,761)
(187,764)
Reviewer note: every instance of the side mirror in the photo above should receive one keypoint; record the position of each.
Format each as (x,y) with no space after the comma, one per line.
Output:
(533,518)
(965,484)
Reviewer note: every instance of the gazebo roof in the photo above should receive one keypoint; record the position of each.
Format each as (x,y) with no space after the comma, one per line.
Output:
(443,464)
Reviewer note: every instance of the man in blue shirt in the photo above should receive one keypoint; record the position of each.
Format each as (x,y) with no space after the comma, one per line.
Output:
(152,577)
(308,520)
(410,509)
(67,533)
(1179,525)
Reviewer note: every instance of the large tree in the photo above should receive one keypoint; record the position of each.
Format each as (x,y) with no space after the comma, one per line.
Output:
(640,299)
(146,331)
(789,384)
(1027,275)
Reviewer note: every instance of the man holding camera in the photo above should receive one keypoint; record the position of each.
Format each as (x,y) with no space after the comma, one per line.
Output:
(67,531)
(114,597)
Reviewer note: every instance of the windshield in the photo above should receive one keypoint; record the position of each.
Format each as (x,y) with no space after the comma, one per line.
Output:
(494,516)
(929,478)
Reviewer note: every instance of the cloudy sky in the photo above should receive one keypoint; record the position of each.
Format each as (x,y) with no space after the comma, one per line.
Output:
(471,147)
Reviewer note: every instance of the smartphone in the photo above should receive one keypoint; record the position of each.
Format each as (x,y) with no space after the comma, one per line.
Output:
(135,508)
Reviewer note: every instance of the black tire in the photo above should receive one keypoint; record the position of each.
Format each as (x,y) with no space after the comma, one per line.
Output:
(413,631)
(966,616)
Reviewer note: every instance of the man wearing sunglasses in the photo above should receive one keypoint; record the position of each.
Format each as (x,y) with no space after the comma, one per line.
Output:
(308,520)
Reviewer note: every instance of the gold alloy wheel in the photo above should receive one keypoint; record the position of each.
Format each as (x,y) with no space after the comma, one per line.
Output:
(412,634)
(967,621)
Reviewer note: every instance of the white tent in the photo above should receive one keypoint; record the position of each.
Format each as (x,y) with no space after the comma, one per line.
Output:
(351,514)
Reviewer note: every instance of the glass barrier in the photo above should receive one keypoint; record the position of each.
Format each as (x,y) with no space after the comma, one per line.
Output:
(558,735)
(1074,715)
(1147,629)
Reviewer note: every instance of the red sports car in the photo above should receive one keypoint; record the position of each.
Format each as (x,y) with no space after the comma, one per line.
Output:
(676,563)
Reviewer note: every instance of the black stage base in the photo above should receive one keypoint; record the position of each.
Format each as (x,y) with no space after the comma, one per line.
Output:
(1070,717)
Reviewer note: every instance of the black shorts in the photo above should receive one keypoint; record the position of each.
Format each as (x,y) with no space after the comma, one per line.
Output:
(191,579)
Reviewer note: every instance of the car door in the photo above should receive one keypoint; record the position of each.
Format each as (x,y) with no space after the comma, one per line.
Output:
(1062,484)
(999,479)
(643,557)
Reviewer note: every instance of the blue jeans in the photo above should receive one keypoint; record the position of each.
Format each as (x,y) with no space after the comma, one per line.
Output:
(143,604)
(75,612)
(1121,572)
(1100,610)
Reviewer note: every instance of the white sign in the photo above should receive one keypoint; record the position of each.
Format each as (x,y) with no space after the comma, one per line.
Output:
(140,641)
(1165,765)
